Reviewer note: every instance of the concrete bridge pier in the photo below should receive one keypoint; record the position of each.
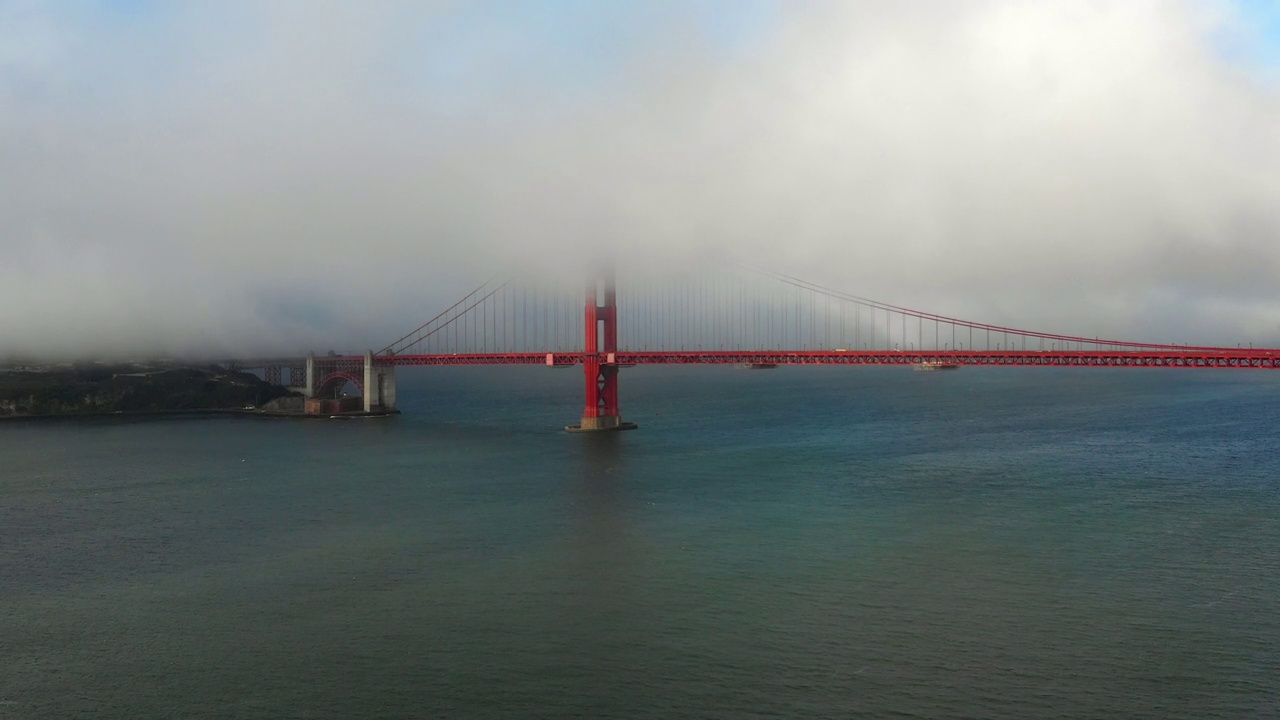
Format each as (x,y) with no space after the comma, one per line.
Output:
(309,389)
(302,375)
(379,385)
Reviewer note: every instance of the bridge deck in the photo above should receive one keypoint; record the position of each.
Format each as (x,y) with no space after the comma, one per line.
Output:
(1258,359)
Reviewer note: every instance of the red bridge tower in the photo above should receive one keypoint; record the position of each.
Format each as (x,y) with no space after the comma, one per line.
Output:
(599,364)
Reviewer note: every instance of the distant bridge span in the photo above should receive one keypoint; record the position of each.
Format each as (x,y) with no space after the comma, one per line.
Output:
(761,319)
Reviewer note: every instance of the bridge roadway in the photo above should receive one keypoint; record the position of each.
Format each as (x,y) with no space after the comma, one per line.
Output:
(1218,358)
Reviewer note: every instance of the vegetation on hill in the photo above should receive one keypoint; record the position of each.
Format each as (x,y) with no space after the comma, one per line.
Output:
(96,388)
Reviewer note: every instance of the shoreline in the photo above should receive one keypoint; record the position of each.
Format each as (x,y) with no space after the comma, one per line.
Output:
(196,412)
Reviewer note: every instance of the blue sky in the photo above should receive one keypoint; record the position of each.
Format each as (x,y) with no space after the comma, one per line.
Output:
(583,42)
(580,26)
(1264,18)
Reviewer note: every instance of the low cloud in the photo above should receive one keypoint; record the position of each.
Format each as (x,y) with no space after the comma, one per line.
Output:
(267,178)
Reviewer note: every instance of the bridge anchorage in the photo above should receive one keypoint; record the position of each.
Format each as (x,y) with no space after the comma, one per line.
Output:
(320,379)
(600,360)
(376,381)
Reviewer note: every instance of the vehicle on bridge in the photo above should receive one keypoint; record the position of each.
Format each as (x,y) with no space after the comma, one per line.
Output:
(934,366)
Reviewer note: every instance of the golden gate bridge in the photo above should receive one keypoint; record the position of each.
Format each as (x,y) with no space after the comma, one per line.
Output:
(743,316)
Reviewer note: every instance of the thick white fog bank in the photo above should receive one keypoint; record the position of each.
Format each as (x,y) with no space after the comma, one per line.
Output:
(245,178)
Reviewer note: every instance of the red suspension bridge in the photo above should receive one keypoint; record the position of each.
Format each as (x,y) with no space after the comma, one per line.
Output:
(739,317)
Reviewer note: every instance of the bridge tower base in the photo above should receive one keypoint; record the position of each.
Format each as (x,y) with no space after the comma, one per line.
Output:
(599,366)
(379,385)
(308,386)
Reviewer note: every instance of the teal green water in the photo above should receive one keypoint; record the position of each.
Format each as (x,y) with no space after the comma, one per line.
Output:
(800,542)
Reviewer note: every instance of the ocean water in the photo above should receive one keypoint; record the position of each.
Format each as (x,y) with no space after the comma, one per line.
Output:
(812,542)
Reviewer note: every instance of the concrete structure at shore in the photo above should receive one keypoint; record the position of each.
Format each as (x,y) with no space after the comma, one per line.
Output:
(322,378)
(379,385)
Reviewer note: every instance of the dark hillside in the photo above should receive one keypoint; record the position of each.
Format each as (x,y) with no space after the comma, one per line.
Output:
(129,388)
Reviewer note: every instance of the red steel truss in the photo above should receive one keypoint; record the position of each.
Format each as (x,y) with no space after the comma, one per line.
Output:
(1244,359)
